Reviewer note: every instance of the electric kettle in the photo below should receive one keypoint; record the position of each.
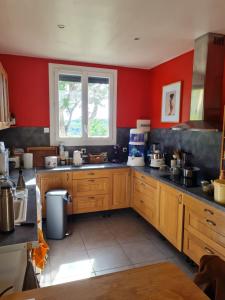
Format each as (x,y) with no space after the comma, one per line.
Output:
(6,206)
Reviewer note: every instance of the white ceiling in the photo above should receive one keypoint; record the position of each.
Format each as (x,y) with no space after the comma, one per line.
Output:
(103,31)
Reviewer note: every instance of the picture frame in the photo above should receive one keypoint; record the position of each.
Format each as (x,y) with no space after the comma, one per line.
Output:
(171,95)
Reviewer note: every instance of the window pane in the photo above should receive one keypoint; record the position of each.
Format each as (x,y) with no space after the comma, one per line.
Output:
(70,108)
(98,107)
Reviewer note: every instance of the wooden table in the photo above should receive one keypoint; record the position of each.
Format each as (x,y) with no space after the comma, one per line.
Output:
(154,282)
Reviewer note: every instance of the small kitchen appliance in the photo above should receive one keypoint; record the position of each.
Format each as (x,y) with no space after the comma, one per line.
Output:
(6,206)
(156,157)
(51,162)
(77,159)
(136,148)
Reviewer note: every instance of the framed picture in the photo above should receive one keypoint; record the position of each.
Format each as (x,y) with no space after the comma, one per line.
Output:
(171,103)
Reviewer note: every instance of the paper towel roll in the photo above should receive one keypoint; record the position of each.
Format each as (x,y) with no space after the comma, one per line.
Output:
(28,160)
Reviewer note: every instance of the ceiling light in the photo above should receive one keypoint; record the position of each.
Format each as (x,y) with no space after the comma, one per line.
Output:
(137,38)
(61,26)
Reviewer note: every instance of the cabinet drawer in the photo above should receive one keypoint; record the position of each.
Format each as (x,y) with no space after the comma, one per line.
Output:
(91,187)
(210,218)
(90,203)
(146,179)
(198,224)
(91,174)
(145,206)
(144,188)
(196,248)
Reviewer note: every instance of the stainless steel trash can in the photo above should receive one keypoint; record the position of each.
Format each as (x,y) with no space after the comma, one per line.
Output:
(56,214)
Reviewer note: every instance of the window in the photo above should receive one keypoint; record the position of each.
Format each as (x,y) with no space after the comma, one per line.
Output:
(82,105)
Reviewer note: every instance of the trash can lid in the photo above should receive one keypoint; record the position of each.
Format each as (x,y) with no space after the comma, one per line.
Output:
(58,192)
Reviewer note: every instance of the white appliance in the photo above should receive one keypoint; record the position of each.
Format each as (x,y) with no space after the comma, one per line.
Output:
(51,162)
(4,163)
(28,160)
(136,148)
(77,159)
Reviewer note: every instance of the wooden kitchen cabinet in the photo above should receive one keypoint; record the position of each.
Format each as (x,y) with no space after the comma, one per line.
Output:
(145,197)
(4,99)
(92,190)
(195,248)
(120,188)
(48,181)
(204,227)
(171,214)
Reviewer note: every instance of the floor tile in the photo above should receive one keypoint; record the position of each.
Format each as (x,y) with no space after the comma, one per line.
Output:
(66,245)
(75,264)
(114,270)
(75,277)
(108,258)
(142,251)
(98,239)
(164,246)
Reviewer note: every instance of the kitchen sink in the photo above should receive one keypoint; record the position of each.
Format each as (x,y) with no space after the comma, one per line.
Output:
(20,207)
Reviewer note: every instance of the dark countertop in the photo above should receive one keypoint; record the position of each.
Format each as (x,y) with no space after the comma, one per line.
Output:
(83,167)
(195,192)
(24,234)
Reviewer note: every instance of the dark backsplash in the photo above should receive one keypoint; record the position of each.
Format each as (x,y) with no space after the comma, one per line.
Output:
(22,137)
(204,146)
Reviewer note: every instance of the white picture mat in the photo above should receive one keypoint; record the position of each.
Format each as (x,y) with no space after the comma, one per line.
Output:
(167,90)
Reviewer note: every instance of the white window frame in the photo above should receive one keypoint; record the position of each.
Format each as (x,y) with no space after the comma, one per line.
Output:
(54,71)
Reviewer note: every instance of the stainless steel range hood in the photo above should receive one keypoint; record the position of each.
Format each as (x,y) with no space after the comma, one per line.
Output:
(207,84)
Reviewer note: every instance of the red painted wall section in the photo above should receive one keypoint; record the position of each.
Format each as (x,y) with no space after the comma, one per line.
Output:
(178,69)
(29,90)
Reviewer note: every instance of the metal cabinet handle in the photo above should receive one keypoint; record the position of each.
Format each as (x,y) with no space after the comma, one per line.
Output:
(209,251)
(141,201)
(91,197)
(210,222)
(91,180)
(208,211)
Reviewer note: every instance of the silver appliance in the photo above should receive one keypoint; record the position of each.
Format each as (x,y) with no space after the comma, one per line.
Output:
(4,162)
(6,206)
(207,83)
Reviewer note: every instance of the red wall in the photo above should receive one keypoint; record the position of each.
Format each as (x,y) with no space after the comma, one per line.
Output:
(178,69)
(29,91)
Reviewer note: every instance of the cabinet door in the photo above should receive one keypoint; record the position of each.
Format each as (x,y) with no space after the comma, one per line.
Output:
(145,200)
(51,181)
(121,189)
(4,99)
(171,214)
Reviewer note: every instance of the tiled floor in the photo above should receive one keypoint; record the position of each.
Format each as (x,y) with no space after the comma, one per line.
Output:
(100,244)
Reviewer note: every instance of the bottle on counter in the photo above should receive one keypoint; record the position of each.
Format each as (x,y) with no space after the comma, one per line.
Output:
(21,182)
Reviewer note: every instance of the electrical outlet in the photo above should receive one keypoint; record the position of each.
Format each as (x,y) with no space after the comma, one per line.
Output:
(46,130)
(124,149)
(83,150)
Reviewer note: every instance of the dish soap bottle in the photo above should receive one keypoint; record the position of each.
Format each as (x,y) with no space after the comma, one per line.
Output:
(21,182)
